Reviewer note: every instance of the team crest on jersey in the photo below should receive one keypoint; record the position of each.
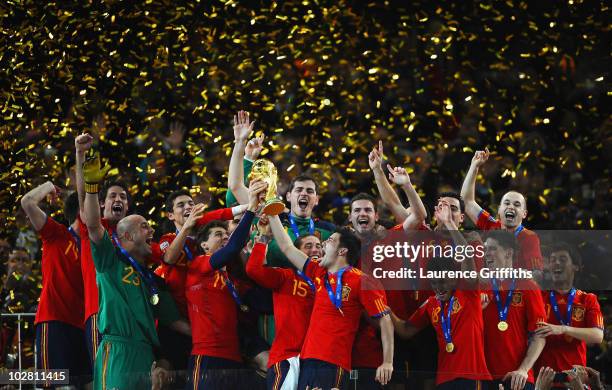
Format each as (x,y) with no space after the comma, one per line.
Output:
(164,245)
(578,313)
(346,291)
(517,298)
(456,306)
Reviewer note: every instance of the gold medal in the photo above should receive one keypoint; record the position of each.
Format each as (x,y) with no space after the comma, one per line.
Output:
(450,347)
(502,325)
(244,308)
(154,299)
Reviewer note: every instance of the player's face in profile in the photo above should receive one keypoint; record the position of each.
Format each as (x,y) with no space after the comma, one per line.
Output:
(303,198)
(311,246)
(496,256)
(181,209)
(455,207)
(363,216)
(217,238)
(115,203)
(561,267)
(330,250)
(443,288)
(512,209)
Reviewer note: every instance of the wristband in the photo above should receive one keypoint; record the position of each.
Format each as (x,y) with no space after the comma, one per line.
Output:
(92,188)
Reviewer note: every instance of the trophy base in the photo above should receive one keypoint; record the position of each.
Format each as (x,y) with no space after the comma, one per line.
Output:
(273,207)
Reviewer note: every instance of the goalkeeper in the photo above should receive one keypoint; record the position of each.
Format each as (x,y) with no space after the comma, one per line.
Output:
(129,294)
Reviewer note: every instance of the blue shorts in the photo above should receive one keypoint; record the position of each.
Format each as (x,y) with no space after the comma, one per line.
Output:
(208,372)
(60,346)
(92,338)
(317,373)
(276,375)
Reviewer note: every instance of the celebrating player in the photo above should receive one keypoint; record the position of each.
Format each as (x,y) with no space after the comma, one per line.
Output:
(512,210)
(510,318)
(59,318)
(212,299)
(573,317)
(130,295)
(342,294)
(293,298)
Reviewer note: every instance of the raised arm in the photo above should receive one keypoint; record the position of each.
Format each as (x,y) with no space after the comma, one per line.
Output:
(400,177)
(240,236)
(444,216)
(387,193)
(295,256)
(93,175)
(173,253)
(235,178)
(30,201)
(267,277)
(82,144)
(468,189)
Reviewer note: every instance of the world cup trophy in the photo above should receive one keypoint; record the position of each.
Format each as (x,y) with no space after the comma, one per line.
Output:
(265,170)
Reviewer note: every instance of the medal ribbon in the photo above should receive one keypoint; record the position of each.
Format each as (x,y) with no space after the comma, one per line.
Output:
(186,248)
(519,229)
(555,306)
(445,322)
(77,239)
(503,311)
(296,231)
(146,276)
(336,298)
(307,280)
(232,289)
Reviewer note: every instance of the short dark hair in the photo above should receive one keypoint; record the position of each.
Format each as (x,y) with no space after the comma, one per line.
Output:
(363,196)
(559,246)
(451,194)
(204,232)
(298,241)
(352,243)
(170,199)
(442,264)
(505,239)
(71,207)
(108,184)
(303,178)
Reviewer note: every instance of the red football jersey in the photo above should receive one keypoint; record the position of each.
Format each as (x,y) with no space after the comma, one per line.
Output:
(90,288)
(212,311)
(175,274)
(331,332)
(506,350)
(367,348)
(61,298)
(562,352)
(467,361)
(530,256)
(293,300)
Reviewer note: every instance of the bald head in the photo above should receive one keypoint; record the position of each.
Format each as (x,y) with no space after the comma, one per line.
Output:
(129,224)
(136,236)
(512,209)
